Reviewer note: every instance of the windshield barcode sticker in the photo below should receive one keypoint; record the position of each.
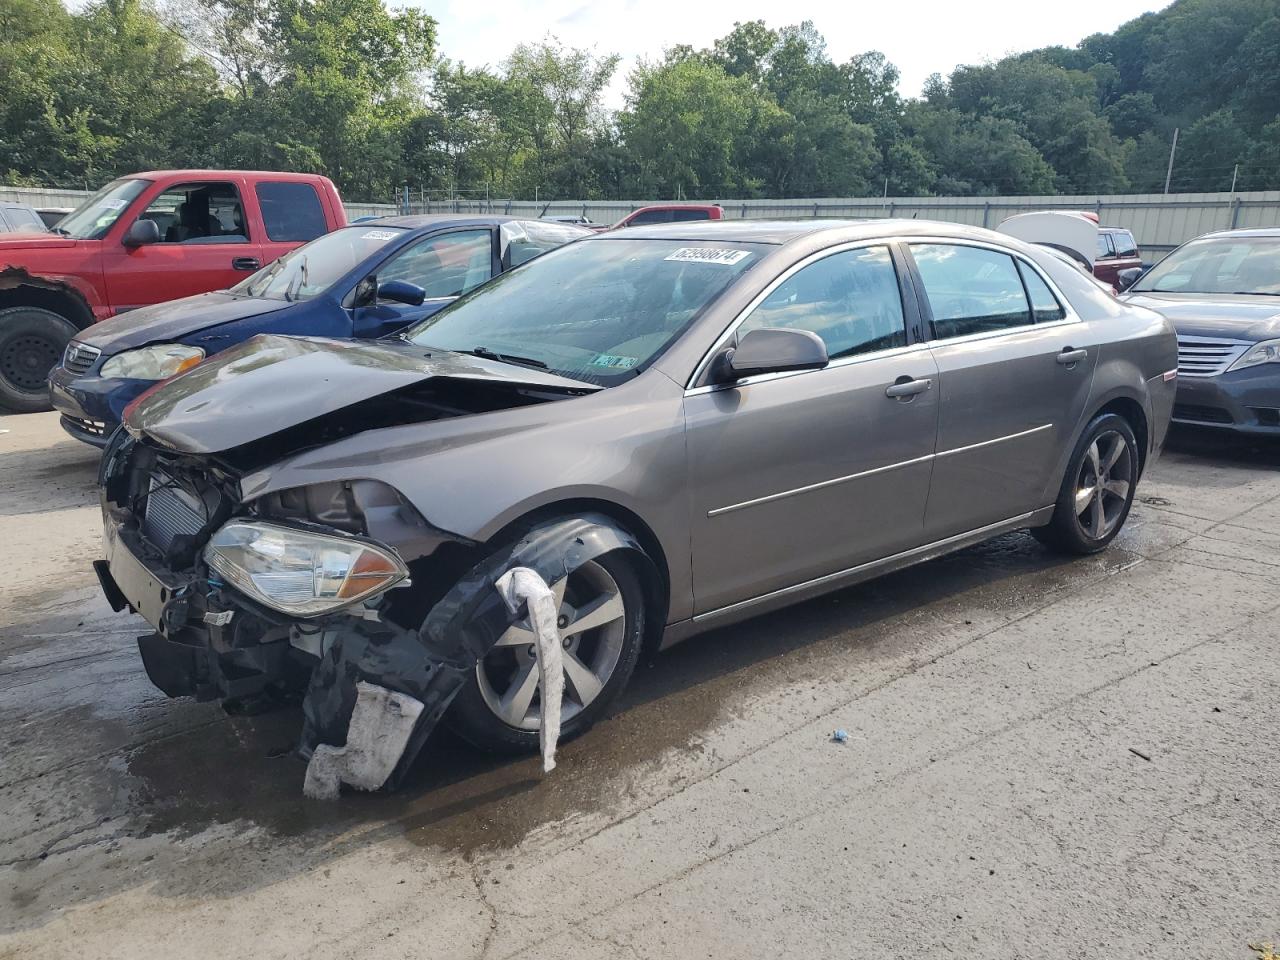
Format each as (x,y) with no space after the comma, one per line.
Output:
(379,235)
(708,255)
(617,363)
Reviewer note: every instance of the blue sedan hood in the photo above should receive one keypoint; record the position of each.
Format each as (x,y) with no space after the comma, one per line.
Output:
(175,320)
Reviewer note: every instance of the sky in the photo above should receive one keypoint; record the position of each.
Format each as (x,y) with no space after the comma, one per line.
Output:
(920,37)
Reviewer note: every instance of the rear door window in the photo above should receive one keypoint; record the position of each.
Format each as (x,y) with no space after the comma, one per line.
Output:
(291,211)
(970,289)
(1044,305)
(850,299)
(22,218)
(1105,252)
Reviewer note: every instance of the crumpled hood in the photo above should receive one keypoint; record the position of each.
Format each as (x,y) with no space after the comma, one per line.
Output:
(166,322)
(1229,315)
(271,383)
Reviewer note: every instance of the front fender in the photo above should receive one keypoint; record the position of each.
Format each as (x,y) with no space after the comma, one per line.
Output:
(433,662)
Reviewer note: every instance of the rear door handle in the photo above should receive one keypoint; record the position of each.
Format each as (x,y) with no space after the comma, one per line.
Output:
(904,388)
(1069,356)
(245,263)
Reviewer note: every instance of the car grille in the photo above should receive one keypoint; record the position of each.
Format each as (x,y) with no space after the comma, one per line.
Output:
(171,512)
(1198,413)
(80,357)
(95,428)
(1208,357)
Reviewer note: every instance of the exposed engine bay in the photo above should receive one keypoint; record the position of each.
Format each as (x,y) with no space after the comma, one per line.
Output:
(162,514)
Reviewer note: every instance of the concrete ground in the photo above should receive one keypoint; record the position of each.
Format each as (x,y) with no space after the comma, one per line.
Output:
(1046,758)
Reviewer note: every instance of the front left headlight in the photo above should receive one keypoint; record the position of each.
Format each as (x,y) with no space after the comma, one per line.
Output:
(158,362)
(1268,351)
(298,571)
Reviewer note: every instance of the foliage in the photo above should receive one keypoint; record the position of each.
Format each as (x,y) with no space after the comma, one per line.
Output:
(356,90)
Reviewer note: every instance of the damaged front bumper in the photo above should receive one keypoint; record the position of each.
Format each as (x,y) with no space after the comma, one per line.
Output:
(212,642)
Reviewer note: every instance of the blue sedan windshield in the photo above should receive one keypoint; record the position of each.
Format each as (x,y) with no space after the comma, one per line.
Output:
(595,310)
(314,267)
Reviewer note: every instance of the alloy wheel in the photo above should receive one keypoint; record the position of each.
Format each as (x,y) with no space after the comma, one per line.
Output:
(1103,485)
(593,626)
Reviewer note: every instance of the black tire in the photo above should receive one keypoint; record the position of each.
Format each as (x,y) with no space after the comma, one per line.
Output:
(471,717)
(1075,527)
(32,340)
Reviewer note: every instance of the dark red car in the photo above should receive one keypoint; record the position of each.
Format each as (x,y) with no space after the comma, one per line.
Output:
(670,213)
(144,239)
(1117,250)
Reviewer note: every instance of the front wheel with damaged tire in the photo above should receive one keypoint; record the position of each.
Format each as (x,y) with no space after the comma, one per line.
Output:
(601,623)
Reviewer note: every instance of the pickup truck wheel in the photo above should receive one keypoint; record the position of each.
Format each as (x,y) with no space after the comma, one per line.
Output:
(498,710)
(31,344)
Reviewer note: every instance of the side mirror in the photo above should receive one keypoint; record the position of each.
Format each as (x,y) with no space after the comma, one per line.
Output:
(1127,278)
(770,350)
(142,232)
(401,291)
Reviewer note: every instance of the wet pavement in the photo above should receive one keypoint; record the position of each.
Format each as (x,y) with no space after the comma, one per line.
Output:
(1045,757)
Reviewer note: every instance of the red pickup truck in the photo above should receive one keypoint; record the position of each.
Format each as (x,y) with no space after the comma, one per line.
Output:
(144,239)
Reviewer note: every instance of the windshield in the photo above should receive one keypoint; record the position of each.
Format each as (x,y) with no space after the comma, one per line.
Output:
(1225,265)
(314,267)
(93,218)
(597,311)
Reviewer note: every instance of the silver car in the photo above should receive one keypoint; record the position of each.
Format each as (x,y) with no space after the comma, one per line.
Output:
(1222,294)
(676,426)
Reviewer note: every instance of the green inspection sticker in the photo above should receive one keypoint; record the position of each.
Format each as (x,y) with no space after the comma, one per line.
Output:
(616,363)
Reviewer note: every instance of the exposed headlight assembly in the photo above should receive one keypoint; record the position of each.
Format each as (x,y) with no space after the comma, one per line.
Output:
(1268,351)
(158,362)
(300,572)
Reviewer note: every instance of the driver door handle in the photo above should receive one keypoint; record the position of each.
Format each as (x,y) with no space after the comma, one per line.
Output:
(245,263)
(1068,356)
(904,388)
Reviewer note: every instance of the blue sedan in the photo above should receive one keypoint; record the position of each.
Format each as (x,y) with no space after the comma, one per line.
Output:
(362,281)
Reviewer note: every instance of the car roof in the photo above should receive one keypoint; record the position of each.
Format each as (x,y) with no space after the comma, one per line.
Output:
(221,174)
(1262,232)
(784,231)
(415,221)
(427,221)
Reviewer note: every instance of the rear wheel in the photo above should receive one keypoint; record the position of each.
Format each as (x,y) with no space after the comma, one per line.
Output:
(602,626)
(1098,489)
(32,340)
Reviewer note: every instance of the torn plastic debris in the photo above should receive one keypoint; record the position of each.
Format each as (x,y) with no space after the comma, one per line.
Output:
(840,736)
(519,587)
(381,723)
(431,664)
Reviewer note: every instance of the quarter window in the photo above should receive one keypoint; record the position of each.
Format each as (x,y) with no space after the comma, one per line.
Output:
(850,299)
(291,211)
(444,266)
(650,216)
(970,289)
(1044,305)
